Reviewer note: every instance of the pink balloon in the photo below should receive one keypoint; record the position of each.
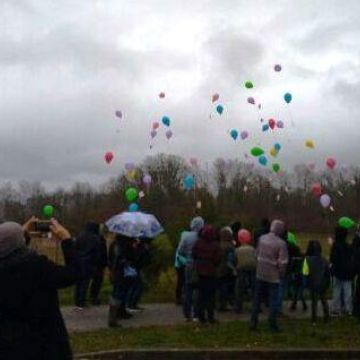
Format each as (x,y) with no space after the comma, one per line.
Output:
(331,163)
(169,134)
(316,189)
(325,200)
(244,237)
(272,124)
(215,97)
(109,156)
(193,161)
(155,125)
(153,133)
(244,135)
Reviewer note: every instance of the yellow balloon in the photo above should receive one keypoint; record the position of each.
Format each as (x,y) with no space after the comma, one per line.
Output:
(309,144)
(273,152)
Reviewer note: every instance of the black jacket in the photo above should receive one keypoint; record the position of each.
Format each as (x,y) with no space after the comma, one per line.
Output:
(31,325)
(341,261)
(319,273)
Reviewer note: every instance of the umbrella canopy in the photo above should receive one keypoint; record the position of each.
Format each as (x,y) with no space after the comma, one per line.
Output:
(135,224)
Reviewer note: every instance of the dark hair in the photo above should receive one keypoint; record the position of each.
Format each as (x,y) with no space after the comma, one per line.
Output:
(340,234)
(265,223)
(313,248)
(235,227)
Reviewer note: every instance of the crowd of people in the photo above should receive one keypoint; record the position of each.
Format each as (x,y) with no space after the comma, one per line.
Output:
(218,269)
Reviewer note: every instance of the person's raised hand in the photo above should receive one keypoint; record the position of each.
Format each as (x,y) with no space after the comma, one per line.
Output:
(59,231)
(28,226)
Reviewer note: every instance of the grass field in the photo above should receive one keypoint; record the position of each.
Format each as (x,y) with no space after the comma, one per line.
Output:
(154,294)
(338,334)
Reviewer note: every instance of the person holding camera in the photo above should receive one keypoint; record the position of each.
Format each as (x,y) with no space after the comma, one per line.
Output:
(32,326)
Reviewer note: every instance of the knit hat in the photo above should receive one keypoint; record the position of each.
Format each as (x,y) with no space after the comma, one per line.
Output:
(197,223)
(208,232)
(11,238)
(226,234)
(277,227)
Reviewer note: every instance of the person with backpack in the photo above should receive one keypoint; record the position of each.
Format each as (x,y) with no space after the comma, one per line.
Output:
(317,272)
(342,271)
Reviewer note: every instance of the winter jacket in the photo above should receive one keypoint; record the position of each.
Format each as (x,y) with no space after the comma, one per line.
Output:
(245,257)
(187,242)
(272,258)
(207,257)
(228,260)
(31,325)
(340,259)
(319,273)
(355,249)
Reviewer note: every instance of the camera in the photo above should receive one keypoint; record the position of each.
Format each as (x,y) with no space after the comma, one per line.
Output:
(42,226)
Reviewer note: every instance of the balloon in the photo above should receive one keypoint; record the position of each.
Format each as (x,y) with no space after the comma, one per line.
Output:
(147,180)
(131,194)
(259,106)
(219,109)
(346,222)
(277,147)
(244,135)
(118,114)
(244,237)
(277,67)
(109,156)
(133,207)
(325,200)
(48,211)
(169,134)
(251,100)
(272,124)
(141,194)
(265,127)
(166,120)
(310,144)
(234,134)
(129,166)
(193,161)
(161,95)
(288,98)
(280,124)
(153,133)
(330,163)
(316,189)
(155,125)
(256,151)
(215,97)
(276,168)
(189,182)
(263,160)
(291,238)
(249,84)
(273,152)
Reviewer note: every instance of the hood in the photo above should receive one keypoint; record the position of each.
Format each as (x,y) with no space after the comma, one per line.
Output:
(226,234)
(277,227)
(11,238)
(197,223)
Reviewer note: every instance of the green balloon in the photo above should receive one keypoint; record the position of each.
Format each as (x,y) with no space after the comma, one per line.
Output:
(249,84)
(131,194)
(256,151)
(346,222)
(276,168)
(48,211)
(291,238)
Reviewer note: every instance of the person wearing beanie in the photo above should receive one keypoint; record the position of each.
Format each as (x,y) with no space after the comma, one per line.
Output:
(272,260)
(184,250)
(31,324)
(207,256)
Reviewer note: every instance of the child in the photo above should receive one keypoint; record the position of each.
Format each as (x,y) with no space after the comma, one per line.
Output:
(318,278)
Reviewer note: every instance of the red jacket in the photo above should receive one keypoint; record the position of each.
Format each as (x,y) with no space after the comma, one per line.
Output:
(207,256)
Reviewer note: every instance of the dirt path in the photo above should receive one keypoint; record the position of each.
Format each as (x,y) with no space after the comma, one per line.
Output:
(95,318)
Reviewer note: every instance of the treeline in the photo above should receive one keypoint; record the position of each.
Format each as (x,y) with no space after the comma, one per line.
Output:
(225,191)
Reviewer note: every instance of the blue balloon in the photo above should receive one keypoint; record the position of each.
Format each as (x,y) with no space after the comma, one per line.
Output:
(263,160)
(288,98)
(277,147)
(234,134)
(189,182)
(220,109)
(133,207)
(265,127)
(166,120)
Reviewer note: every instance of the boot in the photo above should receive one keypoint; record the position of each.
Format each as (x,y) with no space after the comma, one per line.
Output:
(112,319)
(122,313)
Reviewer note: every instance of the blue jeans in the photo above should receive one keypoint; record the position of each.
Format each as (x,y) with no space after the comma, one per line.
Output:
(342,288)
(282,288)
(135,292)
(273,292)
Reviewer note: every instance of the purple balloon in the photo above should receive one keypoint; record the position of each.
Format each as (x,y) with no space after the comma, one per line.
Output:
(251,100)
(153,133)
(169,134)
(244,135)
(280,124)
(325,200)
(277,67)
(118,113)
(147,179)
(129,166)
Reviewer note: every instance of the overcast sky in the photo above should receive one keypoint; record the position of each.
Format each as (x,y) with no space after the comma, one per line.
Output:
(67,66)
